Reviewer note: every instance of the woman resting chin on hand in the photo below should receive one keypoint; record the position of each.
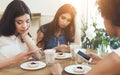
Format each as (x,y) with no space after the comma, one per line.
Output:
(16,44)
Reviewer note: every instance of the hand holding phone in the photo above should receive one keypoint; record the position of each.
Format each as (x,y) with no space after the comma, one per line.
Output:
(84,56)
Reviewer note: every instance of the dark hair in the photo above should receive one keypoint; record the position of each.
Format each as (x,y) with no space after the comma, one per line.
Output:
(7,23)
(110,9)
(53,26)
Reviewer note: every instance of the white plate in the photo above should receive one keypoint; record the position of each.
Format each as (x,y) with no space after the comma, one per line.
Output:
(67,55)
(69,69)
(26,67)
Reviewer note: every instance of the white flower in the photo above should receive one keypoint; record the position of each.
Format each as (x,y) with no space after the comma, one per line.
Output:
(90,33)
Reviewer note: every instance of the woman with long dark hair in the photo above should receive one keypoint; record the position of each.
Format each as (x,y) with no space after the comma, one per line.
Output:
(16,44)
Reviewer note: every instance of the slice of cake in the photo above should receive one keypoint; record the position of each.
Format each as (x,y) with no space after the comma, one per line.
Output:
(33,64)
(61,54)
(78,69)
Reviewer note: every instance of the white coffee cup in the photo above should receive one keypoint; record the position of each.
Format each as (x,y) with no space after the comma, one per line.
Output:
(50,56)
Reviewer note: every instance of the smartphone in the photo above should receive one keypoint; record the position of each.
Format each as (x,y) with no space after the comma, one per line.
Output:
(84,56)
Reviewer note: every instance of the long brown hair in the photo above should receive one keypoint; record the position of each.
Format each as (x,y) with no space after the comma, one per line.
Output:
(53,26)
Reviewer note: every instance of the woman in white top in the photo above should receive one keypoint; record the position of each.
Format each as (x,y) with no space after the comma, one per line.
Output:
(16,44)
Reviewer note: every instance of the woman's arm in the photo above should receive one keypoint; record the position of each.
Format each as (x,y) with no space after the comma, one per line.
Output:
(29,42)
(95,58)
(6,62)
(21,57)
(31,45)
(56,69)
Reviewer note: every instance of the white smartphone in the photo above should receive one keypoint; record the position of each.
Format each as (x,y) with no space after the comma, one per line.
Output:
(84,56)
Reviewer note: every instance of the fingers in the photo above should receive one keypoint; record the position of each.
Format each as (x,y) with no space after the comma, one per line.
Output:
(59,66)
(92,55)
(30,53)
(56,69)
(26,56)
(64,48)
(95,58)
(39,50)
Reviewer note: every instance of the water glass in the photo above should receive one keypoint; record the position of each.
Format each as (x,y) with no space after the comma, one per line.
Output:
(50,56)
(73,47)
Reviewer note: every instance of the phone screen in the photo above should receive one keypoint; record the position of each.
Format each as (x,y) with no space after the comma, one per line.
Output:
(84,55)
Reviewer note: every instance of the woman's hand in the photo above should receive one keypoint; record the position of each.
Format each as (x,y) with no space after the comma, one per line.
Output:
(110,65)
(39,52)
(56,69)
(95,58)
(62,48)
(21,57)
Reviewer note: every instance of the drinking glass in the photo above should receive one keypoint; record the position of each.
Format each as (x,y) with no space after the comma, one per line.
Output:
(73,46)
(50,56)
(78,59)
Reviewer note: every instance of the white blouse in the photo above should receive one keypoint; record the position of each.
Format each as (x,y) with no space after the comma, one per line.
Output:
(11,46)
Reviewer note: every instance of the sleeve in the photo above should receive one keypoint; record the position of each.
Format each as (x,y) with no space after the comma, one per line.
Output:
(8,51)
(9,48)
(43,28)
(1,48)
(2,57)
(117,51)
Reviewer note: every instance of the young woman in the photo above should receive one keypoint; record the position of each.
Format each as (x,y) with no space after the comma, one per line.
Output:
(60,32)
(16,44)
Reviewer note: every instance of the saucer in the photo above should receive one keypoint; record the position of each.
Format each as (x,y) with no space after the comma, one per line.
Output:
(26,67)
(70,70)
(66,55)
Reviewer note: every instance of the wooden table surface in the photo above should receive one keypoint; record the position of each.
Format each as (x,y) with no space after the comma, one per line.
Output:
(16,70)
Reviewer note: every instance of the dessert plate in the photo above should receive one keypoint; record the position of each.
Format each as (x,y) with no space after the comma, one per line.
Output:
(26,67)
(70,69)
(66,55)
